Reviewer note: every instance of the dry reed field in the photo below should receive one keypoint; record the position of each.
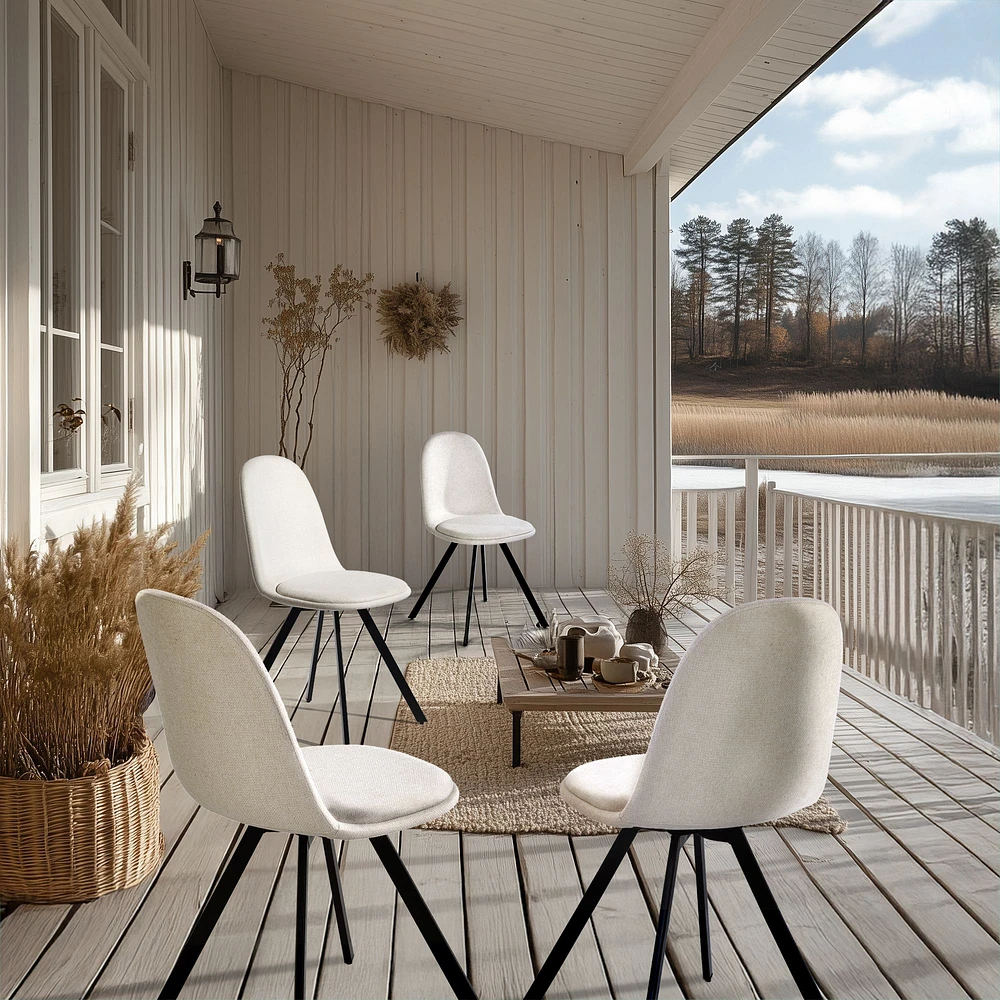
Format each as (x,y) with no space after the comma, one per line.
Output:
(841,423)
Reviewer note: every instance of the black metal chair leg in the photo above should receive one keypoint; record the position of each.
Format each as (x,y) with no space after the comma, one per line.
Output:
(807,985)
(208,917)
(341,679)
(390,662)
(301,916)
(429,586)
(339,909)
(482,556)
(423,918)
(523,584)
(596,889)
(666,904)
(703,911)
(279,639)
(472,591)
(317,643)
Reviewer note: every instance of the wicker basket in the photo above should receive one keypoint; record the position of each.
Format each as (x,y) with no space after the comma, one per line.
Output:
(69,841)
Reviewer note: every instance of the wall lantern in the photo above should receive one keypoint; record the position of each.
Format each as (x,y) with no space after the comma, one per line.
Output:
(217,251)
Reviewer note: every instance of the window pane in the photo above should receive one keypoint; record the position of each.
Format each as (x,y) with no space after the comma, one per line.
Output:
(115,6)
(67,424)
(65,146)
(112,214)
(45,417)
(112,407)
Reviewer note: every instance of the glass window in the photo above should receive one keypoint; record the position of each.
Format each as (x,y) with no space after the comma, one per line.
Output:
(113,340)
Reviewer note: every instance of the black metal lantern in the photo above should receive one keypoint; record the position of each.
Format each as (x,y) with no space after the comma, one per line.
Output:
(217,252)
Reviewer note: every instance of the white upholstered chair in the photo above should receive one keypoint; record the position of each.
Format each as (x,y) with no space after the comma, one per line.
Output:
(461,507)
(294,564)
(234,751)
(743,737)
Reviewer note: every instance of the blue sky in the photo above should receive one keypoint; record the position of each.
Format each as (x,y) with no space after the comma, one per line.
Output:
(896,132)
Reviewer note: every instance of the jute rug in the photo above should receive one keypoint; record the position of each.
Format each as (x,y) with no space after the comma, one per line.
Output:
(468,735)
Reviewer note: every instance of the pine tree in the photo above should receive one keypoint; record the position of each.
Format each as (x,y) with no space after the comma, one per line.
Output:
(699,240)
(775,252)
(732,262)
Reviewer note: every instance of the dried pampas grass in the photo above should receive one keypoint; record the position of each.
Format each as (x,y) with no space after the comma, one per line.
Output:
(73,672)
(416,320)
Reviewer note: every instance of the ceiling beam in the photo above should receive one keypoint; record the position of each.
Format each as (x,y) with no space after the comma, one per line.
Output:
(742,29)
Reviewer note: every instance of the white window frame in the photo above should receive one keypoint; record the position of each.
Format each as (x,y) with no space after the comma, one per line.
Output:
(106,47)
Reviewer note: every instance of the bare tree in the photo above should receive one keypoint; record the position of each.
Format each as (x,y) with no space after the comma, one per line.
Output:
(834,263)
(811,254)
(866,277)
(907,280)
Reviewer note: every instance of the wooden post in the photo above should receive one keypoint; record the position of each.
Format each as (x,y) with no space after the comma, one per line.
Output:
(663,453)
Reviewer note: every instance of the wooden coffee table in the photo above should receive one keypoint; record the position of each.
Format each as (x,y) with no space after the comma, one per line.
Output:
(523,687)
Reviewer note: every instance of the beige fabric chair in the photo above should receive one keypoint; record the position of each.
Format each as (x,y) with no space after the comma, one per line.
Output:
(743,737)
(234,751)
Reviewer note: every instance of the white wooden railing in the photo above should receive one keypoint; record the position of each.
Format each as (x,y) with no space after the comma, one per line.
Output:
(917,592)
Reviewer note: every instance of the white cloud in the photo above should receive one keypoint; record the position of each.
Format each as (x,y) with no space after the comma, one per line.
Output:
(903,18)
(851,88)
(760,146)
(859,162)
(947,194)
(968,107)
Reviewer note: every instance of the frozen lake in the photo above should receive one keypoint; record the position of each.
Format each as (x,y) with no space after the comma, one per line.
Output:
(975,498)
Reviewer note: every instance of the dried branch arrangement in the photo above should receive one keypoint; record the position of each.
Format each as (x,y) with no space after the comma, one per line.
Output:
(303,325)
(73,673)
(648,579)
(416,320)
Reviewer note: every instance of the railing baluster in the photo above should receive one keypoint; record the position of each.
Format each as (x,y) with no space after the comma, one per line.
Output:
(769,541)
(948,635)
(933,617)
(787,543)
(691,536)
(799,544)
(751,530)
(975,650)
(962,680)
(918,597)
(992,655)
(676,541)
(713,522)
(730,496)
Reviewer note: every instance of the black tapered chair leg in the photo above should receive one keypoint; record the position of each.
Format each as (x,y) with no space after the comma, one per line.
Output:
(801,973)
(301,916)
(339,909)
(429,586)
(279,640)
(576,923)
(540,619)
(703,910)
(209,915)
(317,644)
(482,556)
(423,918)
(341,679)
(663,922)
(472,591)
(390,662)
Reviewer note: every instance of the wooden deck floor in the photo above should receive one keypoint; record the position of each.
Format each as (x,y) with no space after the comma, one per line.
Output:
(905,903)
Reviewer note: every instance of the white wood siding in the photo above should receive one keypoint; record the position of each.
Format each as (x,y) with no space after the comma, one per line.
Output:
(183,339)
(550,247)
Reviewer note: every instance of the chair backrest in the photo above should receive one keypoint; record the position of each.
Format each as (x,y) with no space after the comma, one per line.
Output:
(286,533)
(228,733)
(745,730)
(455,478)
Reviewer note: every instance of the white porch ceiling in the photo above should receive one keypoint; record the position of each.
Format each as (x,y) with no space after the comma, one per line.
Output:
(586,72)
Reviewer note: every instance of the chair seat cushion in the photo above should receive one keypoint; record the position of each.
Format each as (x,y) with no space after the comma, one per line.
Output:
(601,789)
(485,529)
(378,790)
(342,590)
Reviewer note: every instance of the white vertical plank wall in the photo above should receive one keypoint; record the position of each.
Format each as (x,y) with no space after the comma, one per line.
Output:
(550,247)
(183,340)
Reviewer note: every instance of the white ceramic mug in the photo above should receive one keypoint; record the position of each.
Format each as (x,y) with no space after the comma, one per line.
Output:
(618,670)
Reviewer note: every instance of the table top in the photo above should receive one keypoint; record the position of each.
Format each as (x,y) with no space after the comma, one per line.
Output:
(527,688)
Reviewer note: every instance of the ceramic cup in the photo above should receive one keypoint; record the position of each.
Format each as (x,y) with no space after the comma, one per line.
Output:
(619,670)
